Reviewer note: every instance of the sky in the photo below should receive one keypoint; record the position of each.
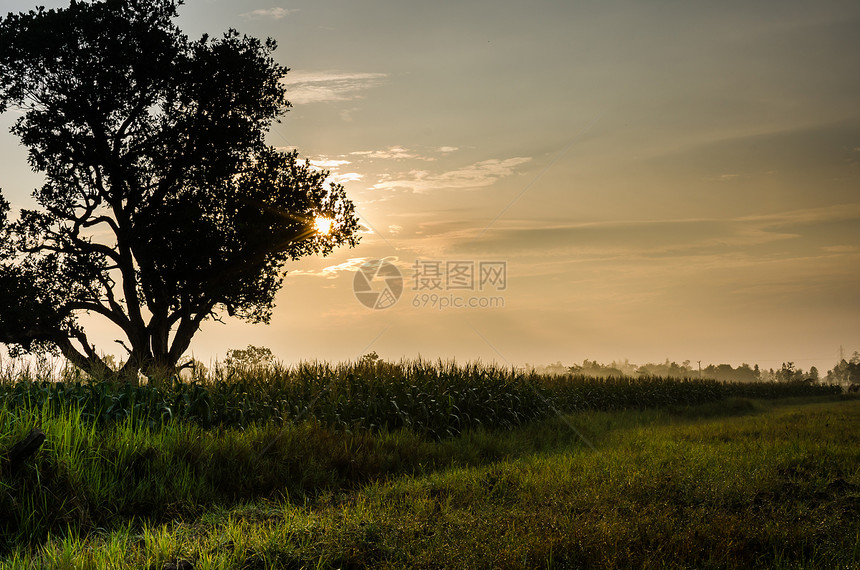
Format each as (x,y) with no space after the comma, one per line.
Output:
(562,180)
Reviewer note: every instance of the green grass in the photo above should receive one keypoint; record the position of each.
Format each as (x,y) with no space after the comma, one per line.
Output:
(750,485)
(377,466)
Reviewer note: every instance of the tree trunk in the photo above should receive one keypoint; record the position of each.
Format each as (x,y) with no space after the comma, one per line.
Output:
(96,368)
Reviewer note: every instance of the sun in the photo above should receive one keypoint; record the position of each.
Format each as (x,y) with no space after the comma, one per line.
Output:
(323,225)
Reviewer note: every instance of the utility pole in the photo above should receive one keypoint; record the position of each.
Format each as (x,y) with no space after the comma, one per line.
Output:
(700,369)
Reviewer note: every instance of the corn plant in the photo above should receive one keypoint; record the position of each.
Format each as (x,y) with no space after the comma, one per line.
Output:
(439,399)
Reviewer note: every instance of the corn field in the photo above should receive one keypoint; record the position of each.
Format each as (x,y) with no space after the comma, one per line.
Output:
(439,400)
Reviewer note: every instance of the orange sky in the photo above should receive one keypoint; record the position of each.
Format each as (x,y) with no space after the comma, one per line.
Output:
(661,180)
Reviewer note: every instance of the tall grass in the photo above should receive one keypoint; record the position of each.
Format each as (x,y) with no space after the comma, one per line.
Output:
(435,399)
(778,488)
(116,453)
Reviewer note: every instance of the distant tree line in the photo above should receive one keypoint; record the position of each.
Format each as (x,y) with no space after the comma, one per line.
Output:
(844,372)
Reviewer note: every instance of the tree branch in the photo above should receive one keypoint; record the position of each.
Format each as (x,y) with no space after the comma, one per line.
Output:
(119,319)
(187,327)
(134,114)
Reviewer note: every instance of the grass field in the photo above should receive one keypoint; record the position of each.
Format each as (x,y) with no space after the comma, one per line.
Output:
(728,482)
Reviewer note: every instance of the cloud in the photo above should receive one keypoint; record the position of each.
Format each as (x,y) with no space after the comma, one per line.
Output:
(345,177)
(784,235)
(332,271)
(398,152)
(272,13)
(824,214)
(391,153)
(305,87)
(334,176)
(838,249)
(349,266)
(722,178)
(329,163)
(476,175)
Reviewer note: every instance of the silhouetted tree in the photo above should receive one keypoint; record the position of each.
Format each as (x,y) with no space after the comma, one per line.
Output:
(665,370)
(251,357)
(846,371)
(789,373)
(369,359)
(725,373)
(163,205)
(595,369)
(744,373)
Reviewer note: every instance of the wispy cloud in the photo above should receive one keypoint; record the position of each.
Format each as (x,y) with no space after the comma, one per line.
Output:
(332,271)
(824,214)
(398,152)
(341,178)
(329,163)
(304,87)
(476,175)
(799,233)
(346,114)
(391,153)
(269,13)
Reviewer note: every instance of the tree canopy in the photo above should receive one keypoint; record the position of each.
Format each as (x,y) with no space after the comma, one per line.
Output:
(163,205)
